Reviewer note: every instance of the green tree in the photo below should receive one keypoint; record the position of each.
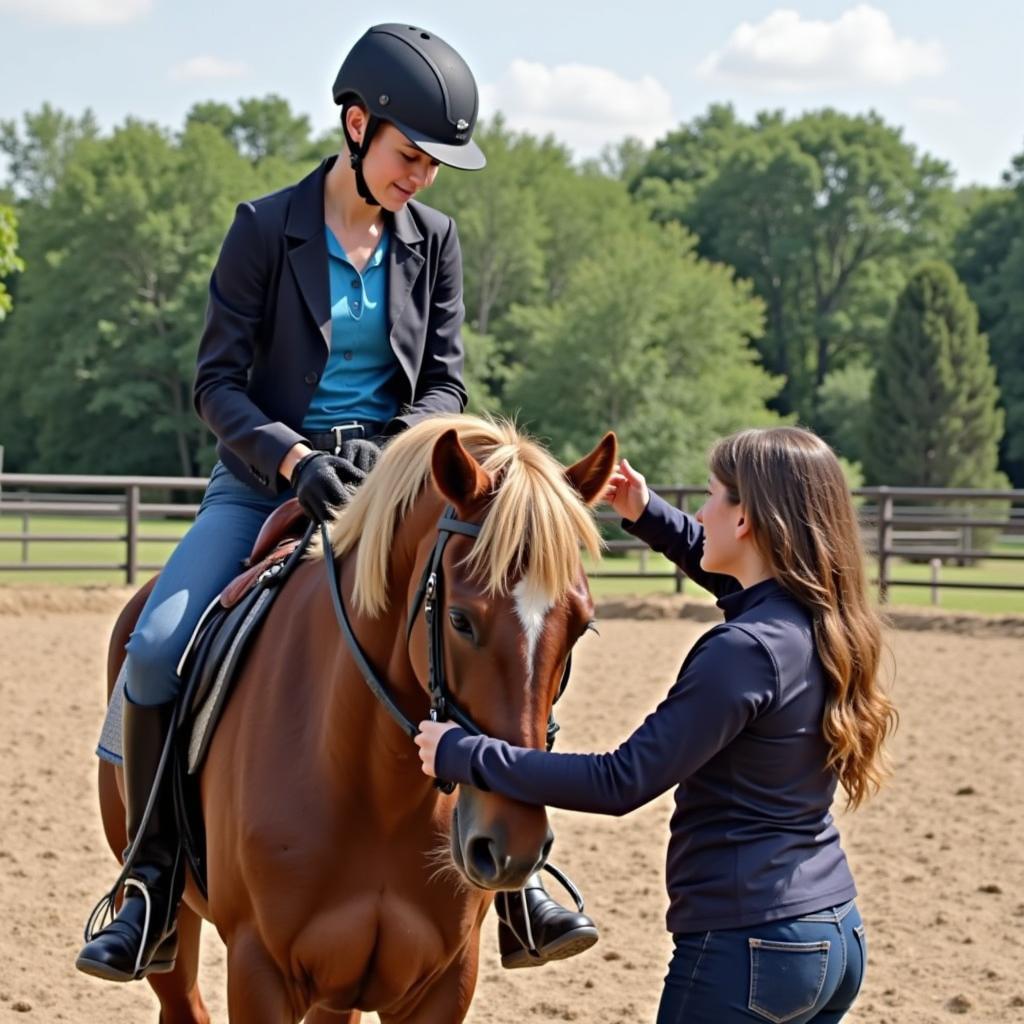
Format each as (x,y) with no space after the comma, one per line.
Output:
(990,259)
(624,160)
(485,372)
(10,262)
(844,400)
(822,213)
(645,339)
(127,240)
(934,420)
(679,166)
(582,314)
(502,232)
(260,128)
(39,151)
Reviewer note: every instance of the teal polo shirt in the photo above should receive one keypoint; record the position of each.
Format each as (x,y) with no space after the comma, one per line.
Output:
(361,361)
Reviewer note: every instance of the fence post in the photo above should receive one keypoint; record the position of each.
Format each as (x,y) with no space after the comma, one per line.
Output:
(935,564)
(680,580)
(132,512)
(884,543)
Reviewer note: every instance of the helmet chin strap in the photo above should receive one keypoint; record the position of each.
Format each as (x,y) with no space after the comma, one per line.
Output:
(356,152)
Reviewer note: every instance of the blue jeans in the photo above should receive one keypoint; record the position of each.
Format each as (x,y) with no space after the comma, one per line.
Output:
(795,971)
(206,559)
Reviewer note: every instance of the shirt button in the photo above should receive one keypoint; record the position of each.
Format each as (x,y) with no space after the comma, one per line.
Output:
(355,282)
(348,355)
(356,306)
(311,377)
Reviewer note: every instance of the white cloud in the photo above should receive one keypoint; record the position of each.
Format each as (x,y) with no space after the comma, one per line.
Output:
(205,68)
(581,105)
(79,12)
(787,53)
(945,105)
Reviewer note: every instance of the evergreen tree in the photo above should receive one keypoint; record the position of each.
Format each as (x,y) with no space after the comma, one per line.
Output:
(990,261)
(934,420)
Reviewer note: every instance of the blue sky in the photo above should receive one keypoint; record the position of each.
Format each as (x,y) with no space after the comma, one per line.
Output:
(950,73)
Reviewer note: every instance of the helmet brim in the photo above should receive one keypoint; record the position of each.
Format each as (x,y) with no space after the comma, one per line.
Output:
(467,156)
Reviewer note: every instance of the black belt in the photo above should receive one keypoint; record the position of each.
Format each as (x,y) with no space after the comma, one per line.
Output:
(331,440)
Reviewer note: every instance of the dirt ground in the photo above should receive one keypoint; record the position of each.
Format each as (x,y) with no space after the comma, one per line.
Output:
(937,856)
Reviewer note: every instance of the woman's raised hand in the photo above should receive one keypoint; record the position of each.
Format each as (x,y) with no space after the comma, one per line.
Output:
(627,492)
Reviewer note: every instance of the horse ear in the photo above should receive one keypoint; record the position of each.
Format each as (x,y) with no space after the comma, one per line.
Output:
(457,475)
(591,474)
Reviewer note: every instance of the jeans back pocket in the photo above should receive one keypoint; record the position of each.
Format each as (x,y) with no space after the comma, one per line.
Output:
(786,978)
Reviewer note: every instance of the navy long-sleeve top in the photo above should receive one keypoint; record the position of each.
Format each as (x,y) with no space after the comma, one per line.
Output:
(740,737)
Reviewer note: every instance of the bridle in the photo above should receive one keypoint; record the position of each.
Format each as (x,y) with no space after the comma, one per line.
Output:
(430,597)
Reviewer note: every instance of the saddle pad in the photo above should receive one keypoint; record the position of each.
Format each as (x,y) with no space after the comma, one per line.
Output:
(207,711)
(109,747)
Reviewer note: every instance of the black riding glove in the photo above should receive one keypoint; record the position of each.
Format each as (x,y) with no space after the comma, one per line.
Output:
(324,483)
(363,454)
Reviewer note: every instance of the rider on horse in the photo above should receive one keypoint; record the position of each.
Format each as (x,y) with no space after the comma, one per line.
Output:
(333,322)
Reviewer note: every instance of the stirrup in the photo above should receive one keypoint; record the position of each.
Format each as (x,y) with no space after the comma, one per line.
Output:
(104,914)
(567,884)
(528,942)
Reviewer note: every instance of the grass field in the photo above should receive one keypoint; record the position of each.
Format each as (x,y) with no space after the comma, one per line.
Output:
(113,551)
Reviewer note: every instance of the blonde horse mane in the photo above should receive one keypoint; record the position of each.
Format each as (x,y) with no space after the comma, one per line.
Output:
(534,527)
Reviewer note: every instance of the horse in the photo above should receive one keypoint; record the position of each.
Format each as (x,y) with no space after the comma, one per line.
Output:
(340,878)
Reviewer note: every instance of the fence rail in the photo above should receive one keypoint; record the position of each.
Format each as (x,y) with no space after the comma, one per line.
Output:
(915,529)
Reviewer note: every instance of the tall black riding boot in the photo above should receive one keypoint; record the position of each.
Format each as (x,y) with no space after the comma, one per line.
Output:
(534,929)
(143,938)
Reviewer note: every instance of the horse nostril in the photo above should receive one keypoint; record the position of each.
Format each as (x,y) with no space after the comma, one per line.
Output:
(483,860)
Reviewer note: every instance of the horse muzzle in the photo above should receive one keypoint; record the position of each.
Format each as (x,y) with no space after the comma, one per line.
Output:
(498,843)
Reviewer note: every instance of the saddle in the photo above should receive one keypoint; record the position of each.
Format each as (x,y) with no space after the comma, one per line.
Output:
(278,538)
(218,648)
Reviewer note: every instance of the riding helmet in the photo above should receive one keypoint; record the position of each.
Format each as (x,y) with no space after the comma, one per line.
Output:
(414,79)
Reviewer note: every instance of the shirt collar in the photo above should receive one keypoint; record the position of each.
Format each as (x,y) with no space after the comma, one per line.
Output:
(743,600)
(334,248)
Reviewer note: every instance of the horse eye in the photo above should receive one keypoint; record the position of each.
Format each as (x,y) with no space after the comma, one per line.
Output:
(460,622)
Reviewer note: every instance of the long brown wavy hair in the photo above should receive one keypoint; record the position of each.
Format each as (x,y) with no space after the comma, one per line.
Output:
(804,524)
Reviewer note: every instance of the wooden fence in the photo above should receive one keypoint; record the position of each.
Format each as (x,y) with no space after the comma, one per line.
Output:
(923,524)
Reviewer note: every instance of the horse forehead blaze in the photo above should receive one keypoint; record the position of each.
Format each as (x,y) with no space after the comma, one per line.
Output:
(532,604)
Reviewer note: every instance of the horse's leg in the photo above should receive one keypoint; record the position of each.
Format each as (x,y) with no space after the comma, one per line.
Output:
(449,997)
(178,990)
(257,992)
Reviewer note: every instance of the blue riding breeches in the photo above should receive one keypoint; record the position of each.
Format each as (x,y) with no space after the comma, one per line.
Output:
(206,559)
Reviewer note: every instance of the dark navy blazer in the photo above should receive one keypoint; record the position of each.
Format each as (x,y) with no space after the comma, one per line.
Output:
(268,325)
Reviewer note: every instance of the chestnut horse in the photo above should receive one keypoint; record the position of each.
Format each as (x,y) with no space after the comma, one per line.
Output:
(340,878)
